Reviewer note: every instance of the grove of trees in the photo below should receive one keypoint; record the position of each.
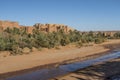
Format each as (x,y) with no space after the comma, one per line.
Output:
(15,39)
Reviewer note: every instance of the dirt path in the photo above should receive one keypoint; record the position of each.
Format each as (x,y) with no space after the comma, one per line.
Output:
(16,63)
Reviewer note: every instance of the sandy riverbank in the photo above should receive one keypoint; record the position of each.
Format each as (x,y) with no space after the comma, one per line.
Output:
(38,58)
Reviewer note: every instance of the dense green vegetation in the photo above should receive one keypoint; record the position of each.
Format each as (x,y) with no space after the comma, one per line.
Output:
(117,35)
(15,40)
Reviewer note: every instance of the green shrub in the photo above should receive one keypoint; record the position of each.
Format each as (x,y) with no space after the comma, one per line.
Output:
(99,40)
(57,48)
(79,44)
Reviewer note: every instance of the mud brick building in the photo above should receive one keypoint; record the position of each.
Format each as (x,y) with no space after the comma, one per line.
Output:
(52,27)
(40,27)
(44,27)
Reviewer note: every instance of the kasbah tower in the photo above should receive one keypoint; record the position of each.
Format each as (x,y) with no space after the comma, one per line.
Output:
(29,29)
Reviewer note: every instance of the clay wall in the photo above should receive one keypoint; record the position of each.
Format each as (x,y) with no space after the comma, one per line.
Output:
(29,29)
(5,24)
(52,27)
(41,27)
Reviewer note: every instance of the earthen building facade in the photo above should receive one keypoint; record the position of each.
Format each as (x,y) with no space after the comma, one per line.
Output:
(41,27)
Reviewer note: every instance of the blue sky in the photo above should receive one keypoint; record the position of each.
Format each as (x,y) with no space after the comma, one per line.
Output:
(83,15)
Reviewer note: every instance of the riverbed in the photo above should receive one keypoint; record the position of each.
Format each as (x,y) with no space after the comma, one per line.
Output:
(52,73)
